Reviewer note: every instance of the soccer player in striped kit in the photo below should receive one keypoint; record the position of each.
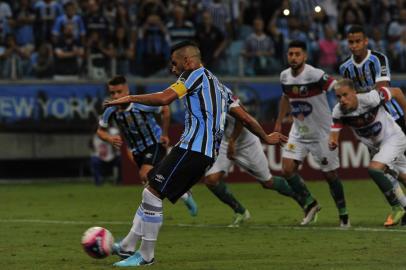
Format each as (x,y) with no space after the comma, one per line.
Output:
(206,105)
(370,70)
(146,141)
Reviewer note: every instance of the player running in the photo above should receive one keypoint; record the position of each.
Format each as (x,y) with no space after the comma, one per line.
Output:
(375,128)
(369,70)
(304,90)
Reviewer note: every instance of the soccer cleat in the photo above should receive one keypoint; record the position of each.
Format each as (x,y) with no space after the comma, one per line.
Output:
(134,260)
(191,205)
(395,217)
(345,221)
(240,218)
(311,213)
(116,250)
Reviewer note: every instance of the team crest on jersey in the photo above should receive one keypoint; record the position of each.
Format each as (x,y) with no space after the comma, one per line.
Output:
(301,90)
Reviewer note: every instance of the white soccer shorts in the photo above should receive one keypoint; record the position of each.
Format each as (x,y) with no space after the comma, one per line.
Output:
(251,159)
(325,158)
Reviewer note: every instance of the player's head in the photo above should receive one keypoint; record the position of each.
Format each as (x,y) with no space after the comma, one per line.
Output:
(297,54)
(185,56)
(357,40)
(346,95)
(118,87)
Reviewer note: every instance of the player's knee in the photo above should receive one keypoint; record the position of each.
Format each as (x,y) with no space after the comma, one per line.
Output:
(211,181)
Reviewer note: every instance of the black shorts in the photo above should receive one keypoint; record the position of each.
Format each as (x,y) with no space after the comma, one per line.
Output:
(152,155)
(401,123)
(178,172)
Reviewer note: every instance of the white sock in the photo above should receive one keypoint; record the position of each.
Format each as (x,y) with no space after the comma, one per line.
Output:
(134,235)
(185,196)
(152,221)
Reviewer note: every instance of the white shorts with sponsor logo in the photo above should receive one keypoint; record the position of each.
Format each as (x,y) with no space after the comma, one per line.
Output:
(325,158)
(391,153)
(250,158)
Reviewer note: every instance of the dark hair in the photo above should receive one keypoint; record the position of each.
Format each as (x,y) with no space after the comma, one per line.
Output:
(297,44)
(183,44)
(117,80)
(356,28)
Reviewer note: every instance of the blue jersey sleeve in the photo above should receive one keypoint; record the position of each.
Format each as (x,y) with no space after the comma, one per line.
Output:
(106,116)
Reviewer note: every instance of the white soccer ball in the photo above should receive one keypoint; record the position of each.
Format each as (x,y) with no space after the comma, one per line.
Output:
(97,242)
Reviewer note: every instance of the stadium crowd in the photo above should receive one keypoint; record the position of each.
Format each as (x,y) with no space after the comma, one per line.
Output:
(95,38)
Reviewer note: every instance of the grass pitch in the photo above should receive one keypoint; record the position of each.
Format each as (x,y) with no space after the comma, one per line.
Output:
(41,226)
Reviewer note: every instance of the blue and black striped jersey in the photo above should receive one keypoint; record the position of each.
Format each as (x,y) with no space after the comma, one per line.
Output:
(374,68)
(206,103)
(137,123)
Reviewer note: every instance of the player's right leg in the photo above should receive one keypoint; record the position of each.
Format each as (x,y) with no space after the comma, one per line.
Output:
(214,182)
(311,206)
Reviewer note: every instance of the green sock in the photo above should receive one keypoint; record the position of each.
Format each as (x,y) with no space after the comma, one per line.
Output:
(282,187)
(384,185)
(337,192)
(221,191)
(299,187)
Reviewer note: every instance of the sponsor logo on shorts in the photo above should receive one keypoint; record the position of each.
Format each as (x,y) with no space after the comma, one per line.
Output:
(159,178)
(149,155)
(291,147)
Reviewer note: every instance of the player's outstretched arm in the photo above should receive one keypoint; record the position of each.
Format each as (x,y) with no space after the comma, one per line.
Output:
(252,124)
(114,140)
(155,99)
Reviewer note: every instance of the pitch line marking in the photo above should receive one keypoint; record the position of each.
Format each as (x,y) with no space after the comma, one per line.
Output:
(255,227)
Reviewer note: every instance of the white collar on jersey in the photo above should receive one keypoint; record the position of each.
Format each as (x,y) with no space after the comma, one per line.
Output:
(362,62)
(129,107)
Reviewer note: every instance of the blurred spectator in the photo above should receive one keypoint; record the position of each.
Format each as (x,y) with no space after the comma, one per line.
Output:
(279,20)
(376,42)
(5,11)
(328,50)
(123,50)
(279,43)
(95,21)
(331,9)
(42,62)
(12,58)
(220,13)
(105,159)
(303,10)
(397,53)
(109,11)
(5,29)
(317,25)
(152,46)
(24,18)
(180,29)
(46,12)
(258,51)
(211,41)
(99,56)
(151,7)
(350,14)
(396,27)
(70,17)
(68,54)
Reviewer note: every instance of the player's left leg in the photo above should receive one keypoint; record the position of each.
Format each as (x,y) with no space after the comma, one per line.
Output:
(329,163)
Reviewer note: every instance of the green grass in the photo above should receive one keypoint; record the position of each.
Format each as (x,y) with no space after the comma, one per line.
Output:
(271,240)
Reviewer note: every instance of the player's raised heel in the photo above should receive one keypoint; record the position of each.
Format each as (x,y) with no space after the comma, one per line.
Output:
(117,250)
(395,217)
(191,205)
(240,218)
(134,260)
(311,213)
